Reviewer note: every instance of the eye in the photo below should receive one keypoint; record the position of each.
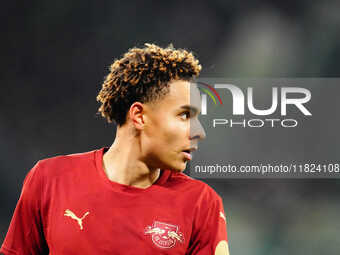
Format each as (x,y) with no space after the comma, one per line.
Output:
(185,115)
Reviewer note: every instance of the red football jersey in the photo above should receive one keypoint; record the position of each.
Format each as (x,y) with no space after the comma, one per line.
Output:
(69,206)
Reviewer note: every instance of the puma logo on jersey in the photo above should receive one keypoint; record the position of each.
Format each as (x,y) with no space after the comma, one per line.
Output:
(222,216)
(69,213)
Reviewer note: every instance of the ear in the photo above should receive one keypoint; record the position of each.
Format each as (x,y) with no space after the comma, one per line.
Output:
(136,114)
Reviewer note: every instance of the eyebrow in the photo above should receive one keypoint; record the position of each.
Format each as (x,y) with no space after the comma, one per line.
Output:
(192,109)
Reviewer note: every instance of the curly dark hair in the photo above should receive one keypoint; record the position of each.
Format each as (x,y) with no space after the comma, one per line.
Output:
(143,75)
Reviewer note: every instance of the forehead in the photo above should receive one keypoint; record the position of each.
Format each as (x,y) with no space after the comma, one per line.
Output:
(183,93)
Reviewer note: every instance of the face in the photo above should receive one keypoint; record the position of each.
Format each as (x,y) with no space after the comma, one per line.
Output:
(172,127)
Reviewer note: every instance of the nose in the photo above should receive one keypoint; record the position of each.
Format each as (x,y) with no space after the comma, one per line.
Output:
(196,130)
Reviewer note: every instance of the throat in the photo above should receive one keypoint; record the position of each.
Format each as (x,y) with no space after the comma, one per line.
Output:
(136,175)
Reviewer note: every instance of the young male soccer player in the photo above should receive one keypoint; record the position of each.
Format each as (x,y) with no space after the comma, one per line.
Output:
(131,198)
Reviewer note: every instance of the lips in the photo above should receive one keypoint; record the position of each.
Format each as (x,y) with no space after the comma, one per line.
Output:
(188,152)
(187,155)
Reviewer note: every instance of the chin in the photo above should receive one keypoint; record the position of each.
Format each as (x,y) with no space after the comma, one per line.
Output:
(178,168)
(174,165)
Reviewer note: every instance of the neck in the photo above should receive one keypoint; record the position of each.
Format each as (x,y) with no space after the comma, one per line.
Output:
(123,164)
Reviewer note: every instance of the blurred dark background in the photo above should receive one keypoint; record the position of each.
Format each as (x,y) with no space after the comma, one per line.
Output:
(55,54)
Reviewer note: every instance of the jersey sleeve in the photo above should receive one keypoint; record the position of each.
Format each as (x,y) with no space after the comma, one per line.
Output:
(209,235)
(25,234)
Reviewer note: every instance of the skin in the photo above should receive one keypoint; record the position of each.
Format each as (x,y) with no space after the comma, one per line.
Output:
(154,137)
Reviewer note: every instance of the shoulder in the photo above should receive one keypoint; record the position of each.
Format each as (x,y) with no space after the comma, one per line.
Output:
(68,158)
(57,165)
(190,185)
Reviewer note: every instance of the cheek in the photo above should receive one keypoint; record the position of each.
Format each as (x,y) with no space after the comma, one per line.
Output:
(176,132)
(169,133)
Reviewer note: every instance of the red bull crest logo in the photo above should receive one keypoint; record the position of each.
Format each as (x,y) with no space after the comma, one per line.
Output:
(164,235)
